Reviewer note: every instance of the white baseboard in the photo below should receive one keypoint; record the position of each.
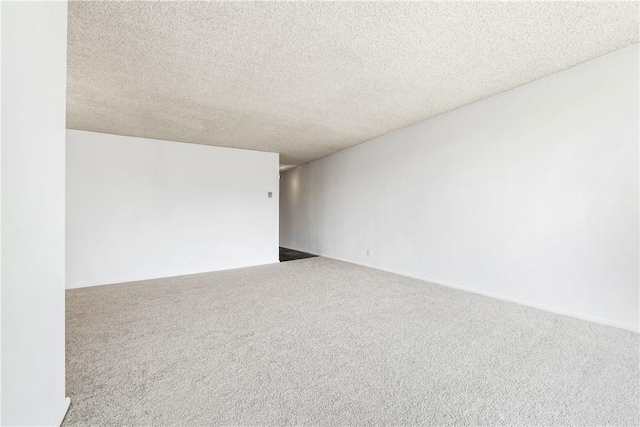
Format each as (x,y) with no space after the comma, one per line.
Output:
(628,327)
(132,279)
(63,412)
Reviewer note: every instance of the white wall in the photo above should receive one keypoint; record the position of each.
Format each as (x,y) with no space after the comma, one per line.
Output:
(531,196)
(34,43)
(140,208)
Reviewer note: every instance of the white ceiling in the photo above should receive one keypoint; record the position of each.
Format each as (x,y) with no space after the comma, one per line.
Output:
(306,79)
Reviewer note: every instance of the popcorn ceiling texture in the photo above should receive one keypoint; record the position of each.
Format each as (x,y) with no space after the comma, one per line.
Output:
(306,79)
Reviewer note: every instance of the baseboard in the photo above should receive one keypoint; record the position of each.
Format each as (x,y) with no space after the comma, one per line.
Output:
(63,412)
(632,328)
(133,279)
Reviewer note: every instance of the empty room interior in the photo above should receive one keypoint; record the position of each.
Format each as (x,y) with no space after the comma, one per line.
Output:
(320,213)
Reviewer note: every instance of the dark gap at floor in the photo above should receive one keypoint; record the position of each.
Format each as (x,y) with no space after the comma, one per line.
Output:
(291,255)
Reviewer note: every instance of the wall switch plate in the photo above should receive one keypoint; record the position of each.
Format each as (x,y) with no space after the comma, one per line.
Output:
(368,252)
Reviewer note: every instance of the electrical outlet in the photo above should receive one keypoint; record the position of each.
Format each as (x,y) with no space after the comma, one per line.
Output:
(270,194)
(368,252)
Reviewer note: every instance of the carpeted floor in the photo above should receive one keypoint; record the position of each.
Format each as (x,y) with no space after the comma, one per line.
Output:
(322,342)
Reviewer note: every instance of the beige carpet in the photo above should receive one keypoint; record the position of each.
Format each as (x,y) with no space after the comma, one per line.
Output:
(322,342)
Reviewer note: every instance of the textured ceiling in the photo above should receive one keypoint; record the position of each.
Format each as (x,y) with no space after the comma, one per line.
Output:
(306,79)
